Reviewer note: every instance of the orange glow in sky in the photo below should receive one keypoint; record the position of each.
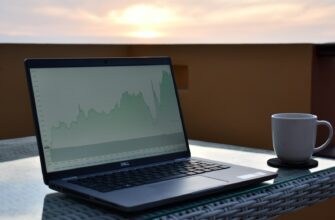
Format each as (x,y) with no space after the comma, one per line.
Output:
(144,21)
(167,21)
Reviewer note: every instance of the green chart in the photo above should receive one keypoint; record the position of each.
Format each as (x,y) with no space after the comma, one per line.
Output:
(130,118)
(95,115)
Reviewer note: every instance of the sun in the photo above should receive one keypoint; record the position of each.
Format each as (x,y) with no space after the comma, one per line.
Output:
(144,21)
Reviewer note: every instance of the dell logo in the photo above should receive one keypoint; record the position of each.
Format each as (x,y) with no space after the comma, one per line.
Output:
(124,164)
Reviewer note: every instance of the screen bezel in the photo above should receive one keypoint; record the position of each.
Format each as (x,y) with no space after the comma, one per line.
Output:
(98,62)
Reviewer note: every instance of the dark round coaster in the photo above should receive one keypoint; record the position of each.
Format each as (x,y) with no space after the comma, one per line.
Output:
(275,162)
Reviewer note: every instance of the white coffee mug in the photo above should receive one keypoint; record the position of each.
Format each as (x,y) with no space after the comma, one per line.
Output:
(294,136)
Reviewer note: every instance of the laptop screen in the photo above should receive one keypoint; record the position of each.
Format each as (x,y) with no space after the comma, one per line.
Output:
(96,115)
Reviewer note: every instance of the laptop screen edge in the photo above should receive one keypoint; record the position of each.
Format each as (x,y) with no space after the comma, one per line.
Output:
(78,62)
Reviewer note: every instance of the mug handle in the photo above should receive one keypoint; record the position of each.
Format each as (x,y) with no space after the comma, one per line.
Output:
(330,136)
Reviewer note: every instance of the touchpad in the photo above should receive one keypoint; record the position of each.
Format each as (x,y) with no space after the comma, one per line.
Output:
(185,185)
(162,190)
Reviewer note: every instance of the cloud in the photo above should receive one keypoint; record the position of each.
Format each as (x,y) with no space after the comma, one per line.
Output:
(168,21)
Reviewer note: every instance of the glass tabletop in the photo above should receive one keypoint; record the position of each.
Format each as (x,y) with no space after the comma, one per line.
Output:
(23,194)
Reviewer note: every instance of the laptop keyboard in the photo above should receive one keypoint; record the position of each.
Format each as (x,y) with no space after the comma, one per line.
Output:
(141,176)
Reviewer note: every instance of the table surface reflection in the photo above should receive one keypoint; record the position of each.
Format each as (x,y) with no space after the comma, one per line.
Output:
(23,194)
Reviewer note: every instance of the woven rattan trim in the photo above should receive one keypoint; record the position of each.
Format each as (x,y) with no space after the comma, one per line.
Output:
(267,202)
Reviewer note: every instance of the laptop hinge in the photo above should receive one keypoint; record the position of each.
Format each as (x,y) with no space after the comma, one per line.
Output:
(71,178)
(181,159)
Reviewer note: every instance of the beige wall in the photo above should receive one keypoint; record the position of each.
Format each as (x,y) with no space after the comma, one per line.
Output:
(231,91)
(234,89)
(323,87)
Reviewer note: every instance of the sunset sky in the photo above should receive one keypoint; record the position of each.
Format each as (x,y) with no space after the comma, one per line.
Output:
(167,21)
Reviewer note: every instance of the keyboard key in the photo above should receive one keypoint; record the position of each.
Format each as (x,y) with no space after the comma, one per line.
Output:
(130,178)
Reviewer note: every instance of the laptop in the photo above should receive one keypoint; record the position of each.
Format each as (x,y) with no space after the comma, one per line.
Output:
(110,130)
